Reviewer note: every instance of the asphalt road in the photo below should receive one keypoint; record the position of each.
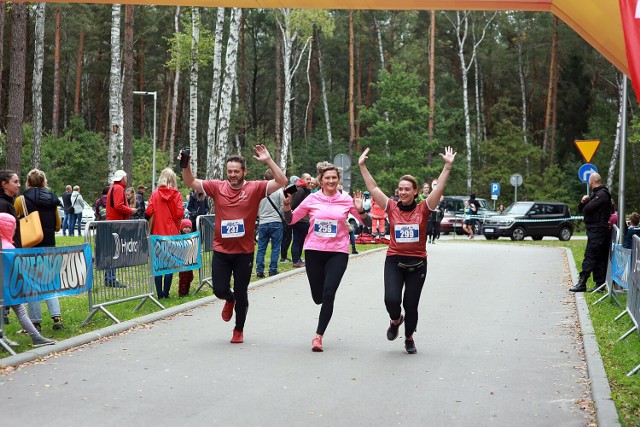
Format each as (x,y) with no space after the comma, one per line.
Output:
(497,345)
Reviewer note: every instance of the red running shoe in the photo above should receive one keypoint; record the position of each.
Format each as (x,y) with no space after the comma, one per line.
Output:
(237,337)
(316,344)
(227,310)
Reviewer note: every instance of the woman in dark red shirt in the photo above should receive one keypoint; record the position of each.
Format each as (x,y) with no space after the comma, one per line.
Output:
(406,263)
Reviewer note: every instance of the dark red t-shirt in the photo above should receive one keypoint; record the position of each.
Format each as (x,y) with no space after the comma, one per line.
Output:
(408,230)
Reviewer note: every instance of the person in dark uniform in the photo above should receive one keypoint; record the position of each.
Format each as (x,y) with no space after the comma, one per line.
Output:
(596,210)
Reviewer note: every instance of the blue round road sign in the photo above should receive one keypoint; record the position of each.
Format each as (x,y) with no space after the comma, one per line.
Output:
(585,172)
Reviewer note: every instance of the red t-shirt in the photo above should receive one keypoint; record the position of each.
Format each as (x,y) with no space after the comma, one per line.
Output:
(408,230)
(236,213)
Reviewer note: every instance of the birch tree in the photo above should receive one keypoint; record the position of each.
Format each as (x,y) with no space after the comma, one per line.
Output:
(616,144)
(38,65)
(193,88)
(174,100)
(296,27)
(224,112)
(325,102)
(116,138)
(461,29)
(213,157)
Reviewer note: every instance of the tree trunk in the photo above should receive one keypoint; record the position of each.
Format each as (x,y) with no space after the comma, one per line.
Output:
(352,118)
(141,83)
(77,99)
(3,8)
(432,82)
(55,117)
(289,37)
(127,111)
(99,97)
(17,73)
(278,111)
(616,143)
(115,95)
(38,64)
(226,90)
(325,102)
(523,86)
(213,157)
(174,101)
(552,71)
(193,89)
(358,96)
(461,28)
(554,108)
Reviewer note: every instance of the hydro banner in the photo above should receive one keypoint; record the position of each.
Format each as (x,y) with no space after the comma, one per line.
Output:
(620,271)
(630,14)
(171,254)
(121,244)
(37,274)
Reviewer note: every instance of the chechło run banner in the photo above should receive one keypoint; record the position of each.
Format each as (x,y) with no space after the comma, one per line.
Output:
(37,274)
(171,254)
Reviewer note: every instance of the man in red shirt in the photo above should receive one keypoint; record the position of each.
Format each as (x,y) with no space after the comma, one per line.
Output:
(236,204)
(117,209)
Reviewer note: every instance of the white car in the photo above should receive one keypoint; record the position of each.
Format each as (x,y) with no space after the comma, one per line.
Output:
(87,213)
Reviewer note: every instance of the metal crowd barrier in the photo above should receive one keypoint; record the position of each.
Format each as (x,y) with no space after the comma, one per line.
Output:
(633,295)
(615,238)
(121,266)
(205,224)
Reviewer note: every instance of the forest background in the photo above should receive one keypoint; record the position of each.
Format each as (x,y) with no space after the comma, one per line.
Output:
(510,91)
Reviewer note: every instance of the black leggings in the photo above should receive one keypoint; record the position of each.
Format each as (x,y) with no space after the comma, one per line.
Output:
(394,280)
(241,266)
(325,271)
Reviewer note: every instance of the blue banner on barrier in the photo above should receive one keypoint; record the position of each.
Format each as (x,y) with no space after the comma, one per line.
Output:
(37,274)
(620,270)
(171,254)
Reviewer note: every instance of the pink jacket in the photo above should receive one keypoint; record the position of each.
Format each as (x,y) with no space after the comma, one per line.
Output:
(328,230)
(7,228)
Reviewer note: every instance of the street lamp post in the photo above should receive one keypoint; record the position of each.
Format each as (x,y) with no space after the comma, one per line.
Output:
(155,99)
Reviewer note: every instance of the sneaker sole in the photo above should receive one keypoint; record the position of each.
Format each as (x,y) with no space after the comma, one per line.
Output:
(42,345)
(317,349)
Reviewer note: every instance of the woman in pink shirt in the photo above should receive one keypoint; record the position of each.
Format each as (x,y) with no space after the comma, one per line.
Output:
(406,263)
(326,246)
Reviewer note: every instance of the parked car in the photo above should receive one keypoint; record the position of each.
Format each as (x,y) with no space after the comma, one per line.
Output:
(87,212)
(535,219)
(453,217)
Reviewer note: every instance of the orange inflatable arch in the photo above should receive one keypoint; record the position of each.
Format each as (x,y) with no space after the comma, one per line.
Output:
(597,21)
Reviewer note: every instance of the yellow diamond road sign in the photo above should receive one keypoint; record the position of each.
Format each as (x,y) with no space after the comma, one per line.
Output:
(587,148)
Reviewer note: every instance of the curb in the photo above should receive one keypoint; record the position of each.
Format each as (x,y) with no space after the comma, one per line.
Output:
(606,413)
(117,328)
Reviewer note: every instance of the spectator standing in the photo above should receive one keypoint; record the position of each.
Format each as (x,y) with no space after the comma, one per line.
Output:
(117,210)
(166,209)
(66,209)
(100,206)
(378,220)
(39,199)
(141,205)
(632,230)
(287,231)
(613,218)
(7,229)
(77,206)
(198,205)
(131,199)
(270,219)
(185,277)
(301,227)
(597,211)
(236,201)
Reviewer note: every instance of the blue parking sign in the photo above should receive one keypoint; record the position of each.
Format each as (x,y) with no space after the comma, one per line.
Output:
(495,188)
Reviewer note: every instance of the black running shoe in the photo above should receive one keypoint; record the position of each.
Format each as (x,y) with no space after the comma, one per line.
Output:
(410,346)
(392,332)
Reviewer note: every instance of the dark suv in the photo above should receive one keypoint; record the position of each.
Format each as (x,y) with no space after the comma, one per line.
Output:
(454,214)
(535,219)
